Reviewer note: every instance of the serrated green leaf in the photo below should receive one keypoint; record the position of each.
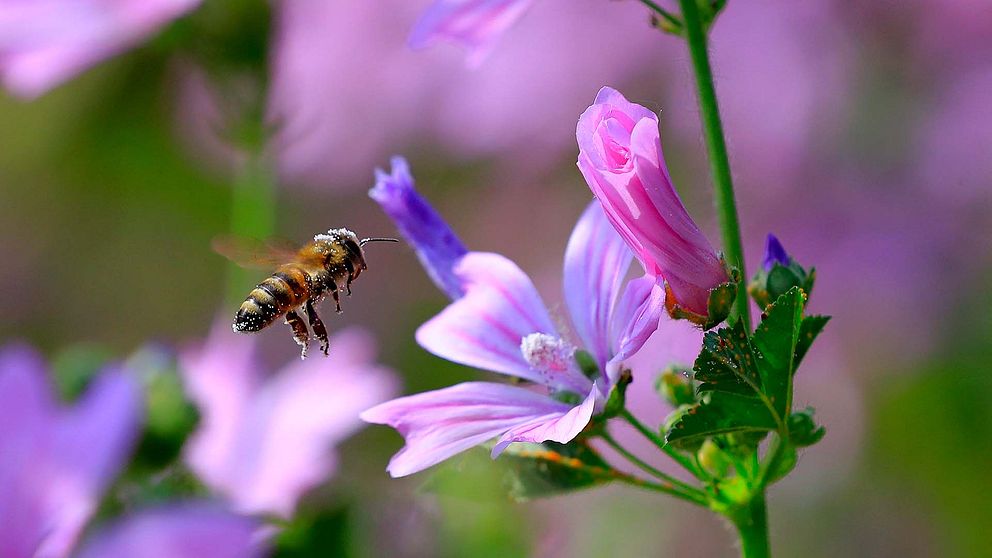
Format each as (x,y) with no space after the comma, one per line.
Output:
(808,330)
(727,362)
(548,469)
(775,339)
(720,413)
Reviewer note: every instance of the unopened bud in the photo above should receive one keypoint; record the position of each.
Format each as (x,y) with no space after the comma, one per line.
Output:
(803,431)
(779,272)
(675,386)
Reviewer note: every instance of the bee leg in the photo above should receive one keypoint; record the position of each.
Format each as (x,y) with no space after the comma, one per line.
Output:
(300,333)
(319,331)
(337,299)
(351,275)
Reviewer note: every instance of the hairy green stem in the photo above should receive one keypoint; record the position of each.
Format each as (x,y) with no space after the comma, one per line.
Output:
(717,147)
(751,521)
(661,475)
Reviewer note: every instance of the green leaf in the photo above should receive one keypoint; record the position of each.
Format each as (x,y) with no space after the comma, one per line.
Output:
(727,362)
(808,330)
(541,470)
(720,413)
(775,339)
(719,303)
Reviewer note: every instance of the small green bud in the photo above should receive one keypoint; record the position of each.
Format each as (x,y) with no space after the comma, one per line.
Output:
(171,417)
(803,431)
(779,272)
(712,458)
(675,386)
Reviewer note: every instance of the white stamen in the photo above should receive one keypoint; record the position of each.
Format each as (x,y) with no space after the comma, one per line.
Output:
(547,353)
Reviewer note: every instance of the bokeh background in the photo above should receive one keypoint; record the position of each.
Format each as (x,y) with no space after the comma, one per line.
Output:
(860,133)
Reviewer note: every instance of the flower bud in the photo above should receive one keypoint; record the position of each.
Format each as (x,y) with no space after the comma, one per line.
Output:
(713,459)
(779,272)
(803,431)
(676,387)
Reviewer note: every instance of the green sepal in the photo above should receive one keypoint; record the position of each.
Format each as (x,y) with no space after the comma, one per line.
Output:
(719,413)
(541,470)
(803,430)
(587,364)
(767,286)
(720,303)
(786,463)
(617,399)
(675,386)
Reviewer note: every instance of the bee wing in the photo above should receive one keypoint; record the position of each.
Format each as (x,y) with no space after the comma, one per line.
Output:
(251,253)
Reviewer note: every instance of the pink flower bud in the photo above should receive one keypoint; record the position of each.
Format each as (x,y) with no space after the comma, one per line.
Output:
(620,157)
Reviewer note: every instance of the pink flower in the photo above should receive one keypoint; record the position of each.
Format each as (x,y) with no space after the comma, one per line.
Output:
(474,24)
(56,461)
(46,42)
(620,157)
(191,530)
(263,442)
(501,324)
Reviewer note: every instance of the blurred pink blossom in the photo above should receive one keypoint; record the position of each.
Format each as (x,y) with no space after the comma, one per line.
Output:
(190,530)
(57,461)
(263,442)
(474,24)
(46,42)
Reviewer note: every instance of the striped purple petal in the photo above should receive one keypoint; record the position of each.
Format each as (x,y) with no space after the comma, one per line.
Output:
(439,424)
(561,426)
(635,318)
(596,262)
(430,236)
(485,327)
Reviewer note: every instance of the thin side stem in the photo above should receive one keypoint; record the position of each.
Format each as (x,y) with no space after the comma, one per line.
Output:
(717,147)
(659,487)
(657,440)
(649,469)
(663,13)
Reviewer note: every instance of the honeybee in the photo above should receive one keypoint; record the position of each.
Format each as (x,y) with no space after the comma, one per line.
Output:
(303,277)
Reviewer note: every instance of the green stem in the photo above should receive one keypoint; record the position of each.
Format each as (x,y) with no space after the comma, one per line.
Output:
(655,438)
(717,148)
(252,213)
(751,521)
(659,487)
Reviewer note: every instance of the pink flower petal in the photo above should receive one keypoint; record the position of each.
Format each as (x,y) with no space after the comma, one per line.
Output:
(439,424)
(635,318)
(474,24)
(484,328)
(560,426)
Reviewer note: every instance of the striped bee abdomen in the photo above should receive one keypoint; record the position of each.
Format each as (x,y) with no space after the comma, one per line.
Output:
(283,290)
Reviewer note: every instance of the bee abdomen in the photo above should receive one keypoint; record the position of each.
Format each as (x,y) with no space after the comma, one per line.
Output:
(272,298)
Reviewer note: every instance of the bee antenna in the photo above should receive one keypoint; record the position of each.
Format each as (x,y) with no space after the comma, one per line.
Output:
(363,241)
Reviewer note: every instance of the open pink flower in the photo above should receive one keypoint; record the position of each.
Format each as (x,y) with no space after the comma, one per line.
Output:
(620,157)
(46,42)
(263,442)
(501,324)
(56,461)
(474,24)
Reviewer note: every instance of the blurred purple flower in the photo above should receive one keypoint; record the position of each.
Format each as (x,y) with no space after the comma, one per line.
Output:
(474,24)
(774,253)
(501,324)
(46,42)
(57,461)
(436,244)
(262,443)
(192,530)
(620,157)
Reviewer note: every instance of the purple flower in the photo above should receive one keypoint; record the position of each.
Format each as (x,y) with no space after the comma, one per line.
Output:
(620,157)
(45,42)
(474,24)
(56,461)
(262,442)
(774,253)
(436,244)
(501,324)
(192,530)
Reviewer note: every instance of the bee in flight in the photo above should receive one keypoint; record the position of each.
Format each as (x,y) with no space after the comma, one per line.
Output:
(303,277)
